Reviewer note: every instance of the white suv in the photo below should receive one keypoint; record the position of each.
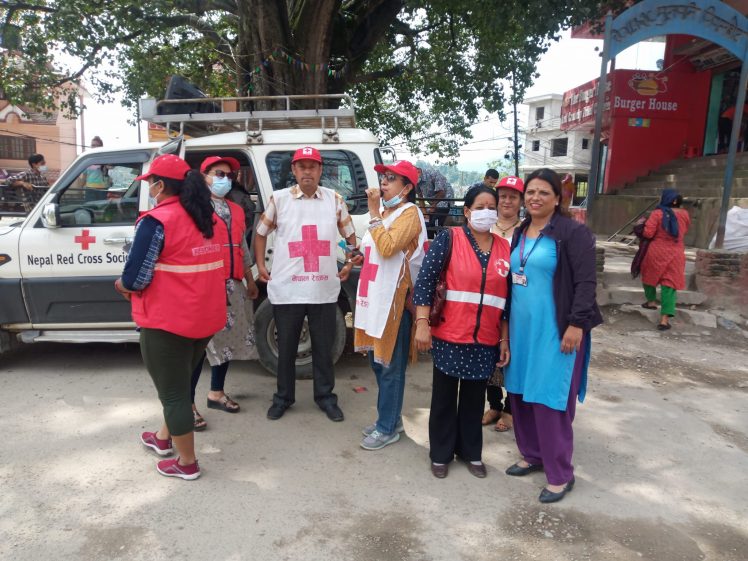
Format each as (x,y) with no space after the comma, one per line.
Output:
(58,265)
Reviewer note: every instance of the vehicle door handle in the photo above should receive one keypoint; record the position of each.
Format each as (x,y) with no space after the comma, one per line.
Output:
(116,241)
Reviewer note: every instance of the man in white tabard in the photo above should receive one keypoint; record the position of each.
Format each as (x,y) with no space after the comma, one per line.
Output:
(305,281)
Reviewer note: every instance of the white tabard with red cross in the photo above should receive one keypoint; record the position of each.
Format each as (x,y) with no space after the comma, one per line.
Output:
(304,256)
(380,277)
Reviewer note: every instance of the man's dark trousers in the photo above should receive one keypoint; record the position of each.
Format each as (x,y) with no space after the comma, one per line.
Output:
(289,320)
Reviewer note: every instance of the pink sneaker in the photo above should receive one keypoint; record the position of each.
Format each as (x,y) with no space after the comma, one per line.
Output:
(161,447)
(172,468)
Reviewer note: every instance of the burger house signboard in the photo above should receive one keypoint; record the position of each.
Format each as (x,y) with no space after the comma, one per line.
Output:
(632,93)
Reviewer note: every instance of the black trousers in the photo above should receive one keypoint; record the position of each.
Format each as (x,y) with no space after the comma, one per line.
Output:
(455,419)
(289,320)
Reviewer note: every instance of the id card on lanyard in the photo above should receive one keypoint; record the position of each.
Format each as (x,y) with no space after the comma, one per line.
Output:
(520,277)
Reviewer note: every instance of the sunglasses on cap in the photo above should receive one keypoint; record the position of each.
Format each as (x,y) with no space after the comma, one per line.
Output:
(220,173)
(390,177)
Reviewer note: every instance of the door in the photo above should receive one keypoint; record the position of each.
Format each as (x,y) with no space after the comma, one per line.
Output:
(68,272)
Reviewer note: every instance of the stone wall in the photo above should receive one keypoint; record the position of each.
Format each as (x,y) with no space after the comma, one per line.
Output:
(611,212)
(723,277)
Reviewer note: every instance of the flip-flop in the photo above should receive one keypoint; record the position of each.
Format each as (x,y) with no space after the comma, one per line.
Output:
(199,423)
(648,307)
(224,404)
(663,326)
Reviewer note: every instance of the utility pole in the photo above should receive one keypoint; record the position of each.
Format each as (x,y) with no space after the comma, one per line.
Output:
(516,131)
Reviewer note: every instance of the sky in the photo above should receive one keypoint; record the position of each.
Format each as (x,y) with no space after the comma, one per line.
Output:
(568,63)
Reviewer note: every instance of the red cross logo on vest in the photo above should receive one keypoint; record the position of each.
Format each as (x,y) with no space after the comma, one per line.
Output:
(85,239)
(368,274)
(502,267)
(310,248)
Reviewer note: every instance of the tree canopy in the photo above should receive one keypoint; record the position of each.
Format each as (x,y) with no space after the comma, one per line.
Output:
(421,70)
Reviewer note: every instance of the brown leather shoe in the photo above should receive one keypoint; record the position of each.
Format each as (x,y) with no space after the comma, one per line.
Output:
(477,470)
(440,472)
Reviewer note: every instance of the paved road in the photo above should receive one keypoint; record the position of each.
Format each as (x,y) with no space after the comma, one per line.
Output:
(662,457)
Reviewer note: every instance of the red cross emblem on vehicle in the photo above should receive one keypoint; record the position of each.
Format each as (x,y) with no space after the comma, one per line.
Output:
(85,239)
(368,274)
(502,267)
(310,248)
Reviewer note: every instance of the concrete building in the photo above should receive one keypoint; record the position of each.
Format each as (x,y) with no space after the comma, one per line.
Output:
(547,145)
(24,132)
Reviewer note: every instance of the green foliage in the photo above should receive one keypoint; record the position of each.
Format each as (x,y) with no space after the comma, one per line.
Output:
(420,70)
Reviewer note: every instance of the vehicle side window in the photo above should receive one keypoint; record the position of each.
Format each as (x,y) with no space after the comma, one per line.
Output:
(342,171)
(101,194)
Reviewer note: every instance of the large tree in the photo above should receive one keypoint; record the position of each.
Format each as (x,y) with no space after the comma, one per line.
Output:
(421,70)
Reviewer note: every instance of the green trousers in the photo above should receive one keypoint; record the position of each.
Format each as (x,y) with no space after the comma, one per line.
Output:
(170,360)
(668,297)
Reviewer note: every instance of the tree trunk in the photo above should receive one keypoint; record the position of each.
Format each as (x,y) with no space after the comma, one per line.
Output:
(266,27)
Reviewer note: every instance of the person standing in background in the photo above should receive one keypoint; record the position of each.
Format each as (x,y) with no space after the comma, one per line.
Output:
(236,341)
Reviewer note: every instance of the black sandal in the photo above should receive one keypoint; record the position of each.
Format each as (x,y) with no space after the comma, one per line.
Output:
(199,424)
(224,404)
(648,307)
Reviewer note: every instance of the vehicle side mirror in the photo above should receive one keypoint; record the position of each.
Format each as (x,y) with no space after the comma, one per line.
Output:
(51,215)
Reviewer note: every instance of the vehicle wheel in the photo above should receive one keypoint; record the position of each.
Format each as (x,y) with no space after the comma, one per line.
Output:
(267,341)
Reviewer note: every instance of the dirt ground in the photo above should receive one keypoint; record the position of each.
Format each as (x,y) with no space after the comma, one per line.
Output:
(661,460)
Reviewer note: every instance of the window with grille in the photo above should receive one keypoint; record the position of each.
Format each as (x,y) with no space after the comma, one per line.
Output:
(16,147)
(585,143)
(536,146)
(539,113)
(559,147)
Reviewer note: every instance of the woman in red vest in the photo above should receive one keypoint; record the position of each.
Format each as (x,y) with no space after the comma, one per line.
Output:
(236,341)
(174,277)
(471,338)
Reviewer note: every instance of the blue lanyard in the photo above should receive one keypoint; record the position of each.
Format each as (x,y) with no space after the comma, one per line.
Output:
(522,258)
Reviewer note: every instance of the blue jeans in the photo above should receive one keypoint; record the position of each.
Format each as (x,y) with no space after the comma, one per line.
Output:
(391,379)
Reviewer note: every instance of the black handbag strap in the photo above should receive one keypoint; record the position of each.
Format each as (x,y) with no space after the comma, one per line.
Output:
(448,256)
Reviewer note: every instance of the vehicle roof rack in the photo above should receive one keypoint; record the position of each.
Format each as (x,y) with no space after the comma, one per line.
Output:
(222,115)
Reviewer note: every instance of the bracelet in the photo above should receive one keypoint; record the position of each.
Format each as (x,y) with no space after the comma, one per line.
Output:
(375,220)
(502,340)
(427,320)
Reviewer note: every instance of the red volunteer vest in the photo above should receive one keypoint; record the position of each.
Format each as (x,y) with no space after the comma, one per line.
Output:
(187,295)
(475,298)
(232,255)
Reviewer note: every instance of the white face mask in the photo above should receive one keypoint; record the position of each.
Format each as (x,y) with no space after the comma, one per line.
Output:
(153,199)
(482,220)
(42,168)
(220,186)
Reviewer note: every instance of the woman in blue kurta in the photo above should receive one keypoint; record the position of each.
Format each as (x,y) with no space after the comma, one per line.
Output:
(551,313)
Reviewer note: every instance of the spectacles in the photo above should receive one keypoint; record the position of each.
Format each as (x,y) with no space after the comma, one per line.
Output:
(390,177)
(219,173)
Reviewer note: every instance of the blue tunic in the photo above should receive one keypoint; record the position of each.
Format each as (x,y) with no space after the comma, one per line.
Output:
(538,370)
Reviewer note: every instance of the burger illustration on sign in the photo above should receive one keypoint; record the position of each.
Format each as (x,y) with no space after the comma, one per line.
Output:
(648,84)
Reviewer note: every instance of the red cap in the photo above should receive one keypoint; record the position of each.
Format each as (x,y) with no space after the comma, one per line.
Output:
(169,166)
(403,167)
(210,161)
(307,153)
(512,182)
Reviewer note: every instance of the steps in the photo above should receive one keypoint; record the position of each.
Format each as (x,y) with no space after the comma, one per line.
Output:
(615,287)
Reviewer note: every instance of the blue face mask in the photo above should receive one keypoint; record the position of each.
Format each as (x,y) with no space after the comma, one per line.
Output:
(394,201)
(220,186)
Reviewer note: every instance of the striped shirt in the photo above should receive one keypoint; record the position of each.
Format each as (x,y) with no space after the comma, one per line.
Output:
(268,220)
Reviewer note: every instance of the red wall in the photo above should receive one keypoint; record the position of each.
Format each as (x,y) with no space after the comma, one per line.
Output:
(636,151)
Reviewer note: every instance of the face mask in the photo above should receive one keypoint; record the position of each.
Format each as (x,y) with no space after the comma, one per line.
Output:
(482,220)
(42,168)
(153,199)
(394,201)
(220,186)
